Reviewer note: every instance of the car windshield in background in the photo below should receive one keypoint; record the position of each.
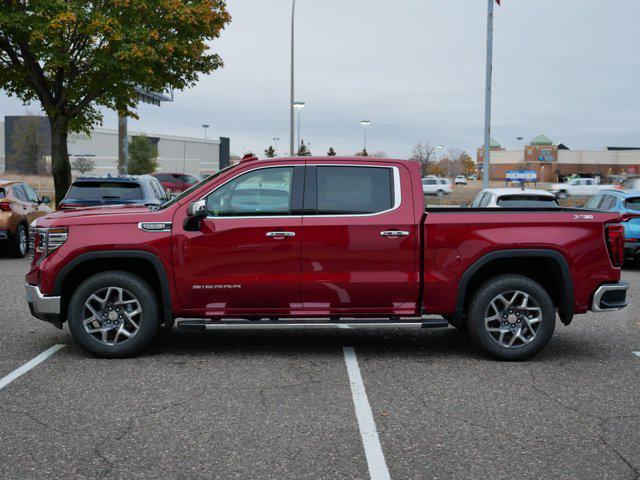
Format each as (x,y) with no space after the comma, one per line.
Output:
(99,191)
(527,201)
(195,187)
(2,193)
(633,204)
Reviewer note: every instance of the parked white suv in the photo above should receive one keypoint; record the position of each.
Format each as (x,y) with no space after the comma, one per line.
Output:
(460,180)
(584,187)
(436,186)
(514,198)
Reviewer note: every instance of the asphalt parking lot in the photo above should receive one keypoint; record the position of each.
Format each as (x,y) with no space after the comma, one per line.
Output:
(280,404)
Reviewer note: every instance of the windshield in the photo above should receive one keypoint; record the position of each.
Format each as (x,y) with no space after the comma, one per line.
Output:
(99,191)
(189,190)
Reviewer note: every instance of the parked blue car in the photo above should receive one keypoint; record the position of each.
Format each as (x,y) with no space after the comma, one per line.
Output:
(627,203)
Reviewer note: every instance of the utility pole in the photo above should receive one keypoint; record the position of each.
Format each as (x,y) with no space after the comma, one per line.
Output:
(291,113)
(487,101)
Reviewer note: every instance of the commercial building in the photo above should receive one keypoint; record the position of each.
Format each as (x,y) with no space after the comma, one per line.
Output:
(553,162)
(175,154)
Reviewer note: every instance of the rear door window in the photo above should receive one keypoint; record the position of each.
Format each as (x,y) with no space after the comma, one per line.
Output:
(105,191)
(354,190)
(594,202)
(607,202)
(478,200)
(486,200)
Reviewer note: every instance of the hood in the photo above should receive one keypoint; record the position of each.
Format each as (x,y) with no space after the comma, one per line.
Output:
(102,215)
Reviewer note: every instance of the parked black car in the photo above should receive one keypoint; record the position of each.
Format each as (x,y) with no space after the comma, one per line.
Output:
(91,191)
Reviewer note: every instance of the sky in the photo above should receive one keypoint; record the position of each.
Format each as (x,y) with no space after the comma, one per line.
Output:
(569,69)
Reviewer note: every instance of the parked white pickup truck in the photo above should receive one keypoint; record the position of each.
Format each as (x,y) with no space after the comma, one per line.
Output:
(582,187)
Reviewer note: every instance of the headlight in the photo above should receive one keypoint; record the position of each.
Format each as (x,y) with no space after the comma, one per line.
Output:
(46,240)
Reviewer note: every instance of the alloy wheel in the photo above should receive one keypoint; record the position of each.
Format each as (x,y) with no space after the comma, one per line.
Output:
(112,315)
(512,319)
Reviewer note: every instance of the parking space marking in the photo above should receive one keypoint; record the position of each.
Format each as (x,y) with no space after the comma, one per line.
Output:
(372,449)
(4,381)
(637,354)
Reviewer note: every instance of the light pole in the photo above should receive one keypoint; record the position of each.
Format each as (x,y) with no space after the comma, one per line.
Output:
(276,140)
(205,126)
(292,106)
(486,173)
(365,124)
(299,106)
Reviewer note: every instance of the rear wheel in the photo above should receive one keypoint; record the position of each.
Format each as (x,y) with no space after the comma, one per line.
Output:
(511,317)
(114,314)
(19,243)
(562,194)
(440,193)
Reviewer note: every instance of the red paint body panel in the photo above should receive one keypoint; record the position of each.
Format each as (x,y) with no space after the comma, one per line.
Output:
(334,265)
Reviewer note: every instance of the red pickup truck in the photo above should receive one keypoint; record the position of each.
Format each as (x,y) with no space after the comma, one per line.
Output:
(321,242)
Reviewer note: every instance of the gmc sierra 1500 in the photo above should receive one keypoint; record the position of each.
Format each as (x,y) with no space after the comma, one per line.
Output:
(291,241)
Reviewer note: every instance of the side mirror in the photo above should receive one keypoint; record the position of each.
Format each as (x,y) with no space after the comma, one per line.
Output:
(196,211)
(46,200)
(464,205)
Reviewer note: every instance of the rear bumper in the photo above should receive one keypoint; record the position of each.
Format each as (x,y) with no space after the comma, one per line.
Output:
(609,297)
(43,307)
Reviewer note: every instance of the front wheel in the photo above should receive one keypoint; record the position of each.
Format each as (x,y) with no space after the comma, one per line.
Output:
(511,317)
(114,314)
(562,194)
(440,193)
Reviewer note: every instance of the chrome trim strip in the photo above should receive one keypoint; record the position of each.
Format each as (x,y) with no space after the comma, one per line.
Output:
(397,194)
(597,296)
(279,325)
(42,303)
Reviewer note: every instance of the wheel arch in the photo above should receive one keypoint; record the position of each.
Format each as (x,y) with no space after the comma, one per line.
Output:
(144,264)
(533,263)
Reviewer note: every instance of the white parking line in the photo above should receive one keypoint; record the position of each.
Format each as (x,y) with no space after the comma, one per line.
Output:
(372,449)
(4,381)
(637,354)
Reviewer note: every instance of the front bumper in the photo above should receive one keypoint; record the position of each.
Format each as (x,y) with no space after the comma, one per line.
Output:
(609,297)
(44,307)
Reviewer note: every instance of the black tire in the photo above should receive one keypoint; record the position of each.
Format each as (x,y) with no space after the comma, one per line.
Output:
(148,320)
(481,308)
(562,194)
(440,193)
(19,243)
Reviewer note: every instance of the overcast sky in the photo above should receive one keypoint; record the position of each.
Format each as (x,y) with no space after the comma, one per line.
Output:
(415,68)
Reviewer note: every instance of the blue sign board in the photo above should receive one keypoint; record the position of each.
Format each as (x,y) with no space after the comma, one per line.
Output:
(525,175)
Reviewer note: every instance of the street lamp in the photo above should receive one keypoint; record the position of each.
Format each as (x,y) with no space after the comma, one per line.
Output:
(365,124)
(205,126)
(299,106)
(292,103)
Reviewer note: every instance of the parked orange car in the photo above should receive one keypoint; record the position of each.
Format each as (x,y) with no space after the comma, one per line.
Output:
(19,206)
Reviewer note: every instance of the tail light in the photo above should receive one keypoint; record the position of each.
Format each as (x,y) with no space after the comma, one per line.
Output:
(5,207)
(615,244)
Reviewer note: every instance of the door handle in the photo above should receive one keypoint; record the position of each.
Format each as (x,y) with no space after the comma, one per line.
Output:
(279,235)
(394,233)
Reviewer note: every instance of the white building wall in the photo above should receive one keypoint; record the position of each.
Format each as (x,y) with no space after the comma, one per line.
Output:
(175,154)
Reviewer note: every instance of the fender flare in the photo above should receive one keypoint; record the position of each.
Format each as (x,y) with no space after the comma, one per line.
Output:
(566,304)
(137,254)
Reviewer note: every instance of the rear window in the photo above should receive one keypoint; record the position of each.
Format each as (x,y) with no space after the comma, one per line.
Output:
(631,204)
(167,177)
(527,201)
(99,191)
(354,190)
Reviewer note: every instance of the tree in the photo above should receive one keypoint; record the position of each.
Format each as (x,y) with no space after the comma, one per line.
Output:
(362,153)
(270,152)
(143,156)
(423,153)
(467,165)
(75,57)
(83,165)
(303,150)
(29,143)
(331,152)
(379,154)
